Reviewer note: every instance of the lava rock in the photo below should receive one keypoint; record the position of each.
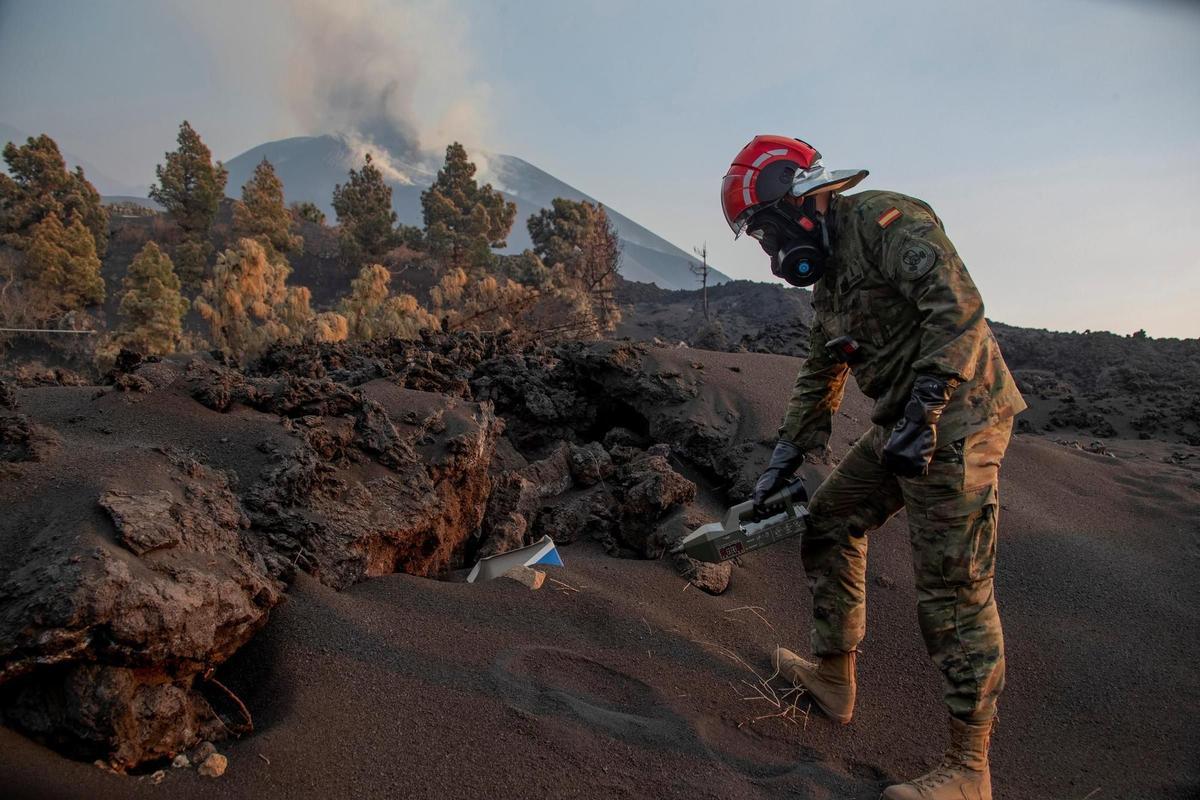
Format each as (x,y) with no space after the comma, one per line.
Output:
(214,766)
(515,498)
(129,610)
(21,439)
(144,520)
(552,474)
(623,437)
(589,463)
(584,514)
(645,490)
(712,578)
(531,579)
(129,382)
(202,751)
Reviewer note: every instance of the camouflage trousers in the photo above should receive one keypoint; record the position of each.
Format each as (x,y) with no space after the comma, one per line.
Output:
(952,517)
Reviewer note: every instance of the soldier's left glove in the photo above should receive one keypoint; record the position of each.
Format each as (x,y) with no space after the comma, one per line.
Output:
(786,458)
(910,447)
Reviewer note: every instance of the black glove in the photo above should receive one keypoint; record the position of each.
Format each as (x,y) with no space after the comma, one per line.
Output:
(910,447)
(785,460)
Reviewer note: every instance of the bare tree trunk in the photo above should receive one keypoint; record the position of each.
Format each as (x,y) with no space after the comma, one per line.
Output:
(701,272)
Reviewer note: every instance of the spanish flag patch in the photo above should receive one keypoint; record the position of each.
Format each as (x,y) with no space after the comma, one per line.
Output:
(888,217)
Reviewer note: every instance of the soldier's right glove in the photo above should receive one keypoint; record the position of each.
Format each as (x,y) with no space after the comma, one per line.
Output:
(910,447)
(785,460)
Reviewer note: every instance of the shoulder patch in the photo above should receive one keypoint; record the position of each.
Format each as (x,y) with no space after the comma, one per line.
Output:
(917,258)
(888,217)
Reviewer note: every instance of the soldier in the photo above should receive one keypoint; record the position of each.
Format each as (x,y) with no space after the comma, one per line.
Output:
(894,306)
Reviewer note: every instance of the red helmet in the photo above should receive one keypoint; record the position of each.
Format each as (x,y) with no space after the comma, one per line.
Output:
(772,166)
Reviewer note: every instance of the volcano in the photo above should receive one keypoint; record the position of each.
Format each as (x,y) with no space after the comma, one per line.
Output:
(311,166)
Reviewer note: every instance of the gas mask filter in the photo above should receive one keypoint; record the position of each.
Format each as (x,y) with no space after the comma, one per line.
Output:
(798,245)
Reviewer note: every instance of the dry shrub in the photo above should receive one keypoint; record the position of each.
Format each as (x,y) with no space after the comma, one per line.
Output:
(373,312)
(249,306)
(553,309)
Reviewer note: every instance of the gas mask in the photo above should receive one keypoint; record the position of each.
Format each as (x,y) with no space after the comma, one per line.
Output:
(797,240)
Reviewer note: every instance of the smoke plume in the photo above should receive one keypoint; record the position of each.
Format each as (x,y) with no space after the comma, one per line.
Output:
(393,78)
(394,75)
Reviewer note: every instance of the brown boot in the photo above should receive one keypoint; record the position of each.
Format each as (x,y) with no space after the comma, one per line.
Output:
(830,683)
(963,773)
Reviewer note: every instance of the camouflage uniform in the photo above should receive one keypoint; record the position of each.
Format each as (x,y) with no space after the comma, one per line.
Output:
(896,285)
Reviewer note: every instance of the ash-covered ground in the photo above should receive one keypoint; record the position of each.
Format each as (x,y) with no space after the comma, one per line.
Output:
(271,558)
(156,520)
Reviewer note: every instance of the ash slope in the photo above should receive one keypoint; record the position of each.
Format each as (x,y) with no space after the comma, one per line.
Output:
(437,689)
(1082,388)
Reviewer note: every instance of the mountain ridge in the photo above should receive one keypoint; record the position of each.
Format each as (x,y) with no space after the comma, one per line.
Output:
(105,184)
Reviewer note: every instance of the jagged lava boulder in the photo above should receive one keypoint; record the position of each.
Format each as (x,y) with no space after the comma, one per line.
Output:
(149,528)
(126,578)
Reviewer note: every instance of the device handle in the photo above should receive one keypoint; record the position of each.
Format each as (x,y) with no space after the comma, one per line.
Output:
(735,514)
(793,492)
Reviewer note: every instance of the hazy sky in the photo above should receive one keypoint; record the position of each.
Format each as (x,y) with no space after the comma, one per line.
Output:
(1059,140)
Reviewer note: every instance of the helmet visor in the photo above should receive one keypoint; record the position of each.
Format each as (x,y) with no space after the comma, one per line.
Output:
(819,179)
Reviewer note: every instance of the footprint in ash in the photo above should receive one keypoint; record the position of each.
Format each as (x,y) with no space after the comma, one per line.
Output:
(549,681)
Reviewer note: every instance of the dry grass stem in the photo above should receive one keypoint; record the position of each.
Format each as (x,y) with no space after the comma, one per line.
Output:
(784,699)
(788,713)
(725,651)
(562,586)
(756,611)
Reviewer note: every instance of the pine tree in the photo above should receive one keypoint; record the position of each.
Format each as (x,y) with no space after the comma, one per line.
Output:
(261,212)
(190,186)
(152,309)
(563,290)
(524,267)
(485,304)
(248,304)
(372,312)
(61,272)
(464,220)
(191,262)
(364,211)
(309,212)
(580,237)
(40,186)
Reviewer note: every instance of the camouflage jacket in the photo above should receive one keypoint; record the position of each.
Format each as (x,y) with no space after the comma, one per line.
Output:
(896,285)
